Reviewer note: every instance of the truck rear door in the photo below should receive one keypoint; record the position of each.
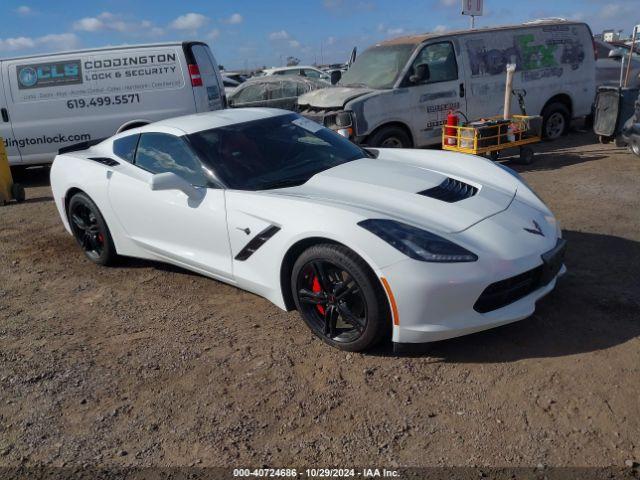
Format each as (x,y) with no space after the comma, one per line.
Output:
(208,89)
(6,131)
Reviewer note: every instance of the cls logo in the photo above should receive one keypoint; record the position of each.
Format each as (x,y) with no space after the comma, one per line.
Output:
(536,230)
(28,77)
(49,74)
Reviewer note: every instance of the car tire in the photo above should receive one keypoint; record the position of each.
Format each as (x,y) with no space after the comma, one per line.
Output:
(339,298)
(17,192)
(555,121)
(90,230)
(390,137)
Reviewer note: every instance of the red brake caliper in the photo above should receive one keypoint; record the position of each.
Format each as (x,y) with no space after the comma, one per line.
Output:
(315,288)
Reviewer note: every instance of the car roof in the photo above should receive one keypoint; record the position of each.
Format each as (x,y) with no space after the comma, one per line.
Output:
(207,120)
(294,67)
(98,50)
(285,78)
(422,37)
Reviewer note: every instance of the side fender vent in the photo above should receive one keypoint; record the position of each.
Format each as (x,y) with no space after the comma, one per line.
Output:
(110,162)
(450,191)
(256,242)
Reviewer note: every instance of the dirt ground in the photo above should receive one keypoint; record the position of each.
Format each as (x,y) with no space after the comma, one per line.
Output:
(144,364)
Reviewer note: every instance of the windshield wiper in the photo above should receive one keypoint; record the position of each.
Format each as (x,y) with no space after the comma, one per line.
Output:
(289,182)
(355,85)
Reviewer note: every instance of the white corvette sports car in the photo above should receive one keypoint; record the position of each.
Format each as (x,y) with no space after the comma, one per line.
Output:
(412,245)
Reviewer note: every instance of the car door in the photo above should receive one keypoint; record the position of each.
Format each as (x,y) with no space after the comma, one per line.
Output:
(183,229)
(251,95)
(282,94)
(213,91)
(435,87)
(6,131)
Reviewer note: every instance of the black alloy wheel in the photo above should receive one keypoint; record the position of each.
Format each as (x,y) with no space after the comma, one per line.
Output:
(90,230)
(339,298)
(332,300)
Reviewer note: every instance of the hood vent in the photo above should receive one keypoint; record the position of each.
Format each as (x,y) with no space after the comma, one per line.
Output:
(450,191)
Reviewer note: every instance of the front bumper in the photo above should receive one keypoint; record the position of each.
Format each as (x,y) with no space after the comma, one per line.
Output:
(440,301)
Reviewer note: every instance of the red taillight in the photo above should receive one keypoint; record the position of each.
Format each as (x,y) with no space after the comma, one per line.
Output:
(194,73)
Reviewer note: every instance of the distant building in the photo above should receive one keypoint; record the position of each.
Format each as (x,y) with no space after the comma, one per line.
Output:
(611,35)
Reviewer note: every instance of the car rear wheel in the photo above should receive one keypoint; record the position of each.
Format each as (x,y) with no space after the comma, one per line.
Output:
(339,298)
(390,137)
(555,121)
(90,230)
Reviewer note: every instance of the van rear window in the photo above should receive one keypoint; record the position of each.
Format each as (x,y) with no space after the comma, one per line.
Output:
(125,147)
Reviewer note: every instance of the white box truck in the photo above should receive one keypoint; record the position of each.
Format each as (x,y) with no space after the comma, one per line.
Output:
(398,93)
(51,101)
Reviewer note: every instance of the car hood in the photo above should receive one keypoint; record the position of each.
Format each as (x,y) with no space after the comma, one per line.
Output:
(334,97)
(389,186)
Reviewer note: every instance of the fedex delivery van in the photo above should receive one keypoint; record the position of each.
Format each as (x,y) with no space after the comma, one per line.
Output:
(398,93)
(51,101)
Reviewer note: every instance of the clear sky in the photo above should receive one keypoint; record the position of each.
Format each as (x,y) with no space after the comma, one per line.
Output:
(250,33)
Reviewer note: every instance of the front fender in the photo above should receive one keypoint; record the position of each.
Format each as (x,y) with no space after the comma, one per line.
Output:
(298,219)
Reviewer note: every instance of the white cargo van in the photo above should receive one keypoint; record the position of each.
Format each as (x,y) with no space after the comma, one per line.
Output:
(398,93)
(51,101)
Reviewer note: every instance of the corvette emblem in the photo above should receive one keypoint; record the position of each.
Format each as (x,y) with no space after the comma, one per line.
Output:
(536,230)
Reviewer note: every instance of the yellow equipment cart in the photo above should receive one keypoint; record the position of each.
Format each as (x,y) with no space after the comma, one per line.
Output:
(492,135)
(8,189)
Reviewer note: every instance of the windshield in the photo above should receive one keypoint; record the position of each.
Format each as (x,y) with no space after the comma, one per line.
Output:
(275,152)
(377,67)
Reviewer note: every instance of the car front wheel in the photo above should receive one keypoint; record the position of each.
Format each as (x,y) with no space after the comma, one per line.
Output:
(339,298)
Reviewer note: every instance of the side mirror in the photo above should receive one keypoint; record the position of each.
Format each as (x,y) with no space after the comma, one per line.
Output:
(171,181)
(336,75)
(617,53)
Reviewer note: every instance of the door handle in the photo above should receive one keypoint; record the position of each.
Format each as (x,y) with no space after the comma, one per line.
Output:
(462,90)
(5,115)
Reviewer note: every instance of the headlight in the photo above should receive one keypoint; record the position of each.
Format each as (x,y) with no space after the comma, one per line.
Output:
(416,243)
(338,120)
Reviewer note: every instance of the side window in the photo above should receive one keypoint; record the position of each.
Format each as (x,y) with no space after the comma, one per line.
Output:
(302,88)
(160,153)
(251,93)
(289,89)
(435,63)
(274,90)
(311,73)
(125,147)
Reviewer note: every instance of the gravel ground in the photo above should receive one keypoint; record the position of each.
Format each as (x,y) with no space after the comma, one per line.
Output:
(145,364)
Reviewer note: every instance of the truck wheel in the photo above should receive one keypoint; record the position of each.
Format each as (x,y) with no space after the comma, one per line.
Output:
(390,137)
(17,192)
(555,121)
